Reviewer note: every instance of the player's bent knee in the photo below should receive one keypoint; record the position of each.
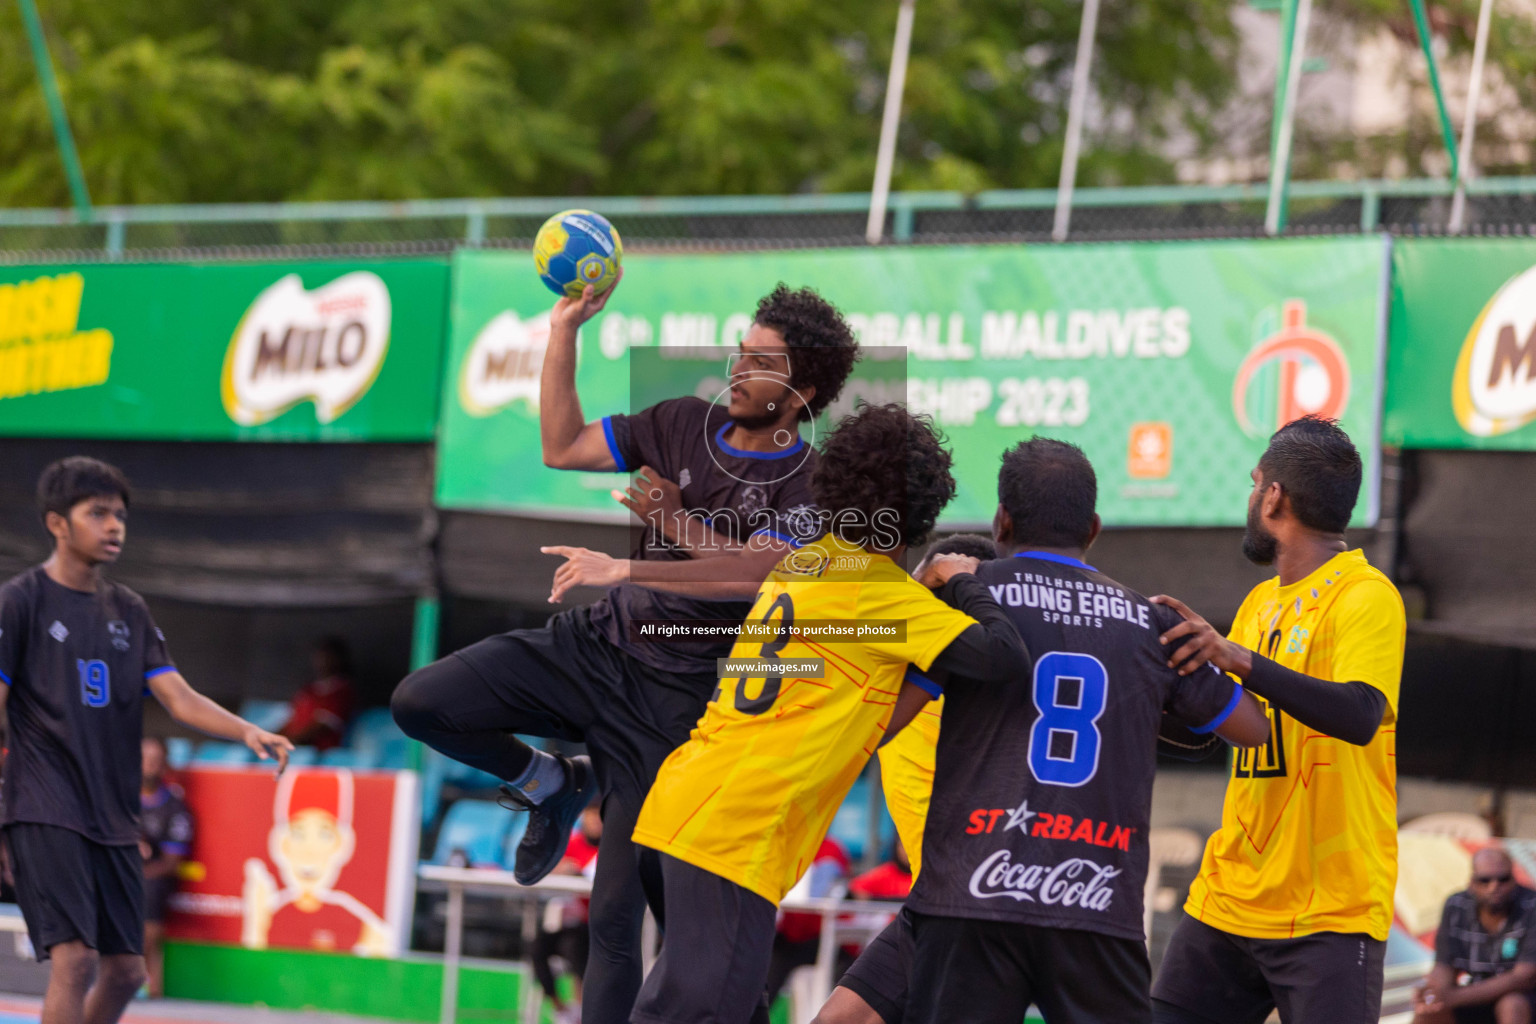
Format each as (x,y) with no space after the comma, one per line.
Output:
(124,973)
(415,710)
(1513,1008)
(74,965)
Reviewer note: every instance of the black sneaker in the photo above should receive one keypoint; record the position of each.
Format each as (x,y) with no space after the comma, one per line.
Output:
(550,822)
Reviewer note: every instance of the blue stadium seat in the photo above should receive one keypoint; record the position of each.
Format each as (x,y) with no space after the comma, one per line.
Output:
(214,752)
(265,714)
(303,757)
(479,828)
(178,751)
(376,739)
(340,757)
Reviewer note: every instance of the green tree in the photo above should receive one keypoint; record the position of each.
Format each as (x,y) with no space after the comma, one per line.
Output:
(262,100)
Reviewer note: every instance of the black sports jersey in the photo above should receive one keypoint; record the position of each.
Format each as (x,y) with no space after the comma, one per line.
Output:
(740,493)
(77,665)
(165,823)
(1042,788)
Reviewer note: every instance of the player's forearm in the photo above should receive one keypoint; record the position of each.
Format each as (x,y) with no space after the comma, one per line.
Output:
(1480,993)
(909,704)
(161,867)
(1350,711)
(198,712)
(727,578)
(990,651)
(700,540)
(560,416)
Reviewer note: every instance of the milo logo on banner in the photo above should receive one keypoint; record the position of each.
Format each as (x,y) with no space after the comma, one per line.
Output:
(1494,388)
(326,346)
(503,364)
(41,347)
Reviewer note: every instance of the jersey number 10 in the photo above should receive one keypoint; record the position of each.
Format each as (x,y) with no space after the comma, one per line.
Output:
(1070,693)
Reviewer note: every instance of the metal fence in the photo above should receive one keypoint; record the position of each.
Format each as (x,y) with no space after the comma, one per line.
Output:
(1496,206)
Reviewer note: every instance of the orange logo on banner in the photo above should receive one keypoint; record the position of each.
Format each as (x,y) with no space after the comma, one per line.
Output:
(1314,376)
(1149,455)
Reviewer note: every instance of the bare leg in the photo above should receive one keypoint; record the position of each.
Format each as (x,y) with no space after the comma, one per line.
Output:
(1513,1008)
(118,979)
(69,978)
(154,957)
(844,1006)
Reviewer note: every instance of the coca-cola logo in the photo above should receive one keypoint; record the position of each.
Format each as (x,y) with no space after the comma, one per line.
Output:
(326,346)
(1076,882)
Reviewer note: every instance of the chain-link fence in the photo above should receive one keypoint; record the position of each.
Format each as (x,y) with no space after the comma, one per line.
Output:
(1495,206)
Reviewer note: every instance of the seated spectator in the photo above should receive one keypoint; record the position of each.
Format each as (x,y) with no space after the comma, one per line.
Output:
(798,934)
(1485,951)
(889,881)
(321,710)
(564,933)
(165,840)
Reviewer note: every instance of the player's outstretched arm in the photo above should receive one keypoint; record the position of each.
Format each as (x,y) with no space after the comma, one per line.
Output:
(191,708)
(568,440)
(727,578)
(1247,725)
(909,703)
(1350,710)
(990,651)
(659,503)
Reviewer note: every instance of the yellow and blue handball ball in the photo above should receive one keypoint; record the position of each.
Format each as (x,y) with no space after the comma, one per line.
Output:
(577,248)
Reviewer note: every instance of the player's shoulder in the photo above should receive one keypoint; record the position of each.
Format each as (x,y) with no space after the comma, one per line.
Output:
(125,597)
(23,588)
(689,408)
(1361,584)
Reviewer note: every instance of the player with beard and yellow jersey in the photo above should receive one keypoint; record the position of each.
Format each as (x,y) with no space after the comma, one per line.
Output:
(1294,897)
(738,812)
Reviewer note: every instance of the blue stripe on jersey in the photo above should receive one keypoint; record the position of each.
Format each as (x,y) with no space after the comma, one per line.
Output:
(1046,556)
(179,849)
(5,679)
(923,683)
(613,445)
(743,454)
(1226,712)
(162,670)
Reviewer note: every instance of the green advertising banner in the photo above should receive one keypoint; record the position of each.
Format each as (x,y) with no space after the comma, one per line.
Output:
(1462,363)
(329,351)
(1169,363)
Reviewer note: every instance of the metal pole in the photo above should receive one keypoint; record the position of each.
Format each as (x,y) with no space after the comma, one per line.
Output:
(1075,107)
(1469,129)
(1421,21)
(452,944)
(1280,164)
(885,158)
(424,625)
(56,113)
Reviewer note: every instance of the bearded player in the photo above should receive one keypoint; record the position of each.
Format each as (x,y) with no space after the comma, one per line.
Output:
(1294,897)
(718,484)
(738,812)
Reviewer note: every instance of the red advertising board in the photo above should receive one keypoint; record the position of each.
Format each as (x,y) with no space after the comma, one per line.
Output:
(321,858)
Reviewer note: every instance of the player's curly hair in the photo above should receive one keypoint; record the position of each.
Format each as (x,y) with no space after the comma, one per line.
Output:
(883,477)
(823,348)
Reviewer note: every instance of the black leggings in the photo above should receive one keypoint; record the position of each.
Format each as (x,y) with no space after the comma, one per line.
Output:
(569,944)
(566,681)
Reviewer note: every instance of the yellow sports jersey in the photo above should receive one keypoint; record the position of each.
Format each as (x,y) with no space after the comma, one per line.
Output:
(752,793)
(906,777)
(1308,839)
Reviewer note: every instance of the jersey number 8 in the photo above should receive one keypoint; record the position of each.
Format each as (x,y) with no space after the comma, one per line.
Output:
(1070,692)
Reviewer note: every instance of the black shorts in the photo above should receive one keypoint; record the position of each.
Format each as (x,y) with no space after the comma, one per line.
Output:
(568,681)
(881,973)
(70,888)
(967,971)
(1228,979)
(157,896)
(714,954)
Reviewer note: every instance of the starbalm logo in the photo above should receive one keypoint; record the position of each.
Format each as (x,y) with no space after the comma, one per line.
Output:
(326,346)
(1493,390)
(1312,378)
(503,364)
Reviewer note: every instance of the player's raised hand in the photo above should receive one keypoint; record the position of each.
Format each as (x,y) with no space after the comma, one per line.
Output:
(1201,643)
(267,745)
(654,499)
(936,570)
(584,568)
(572,313)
